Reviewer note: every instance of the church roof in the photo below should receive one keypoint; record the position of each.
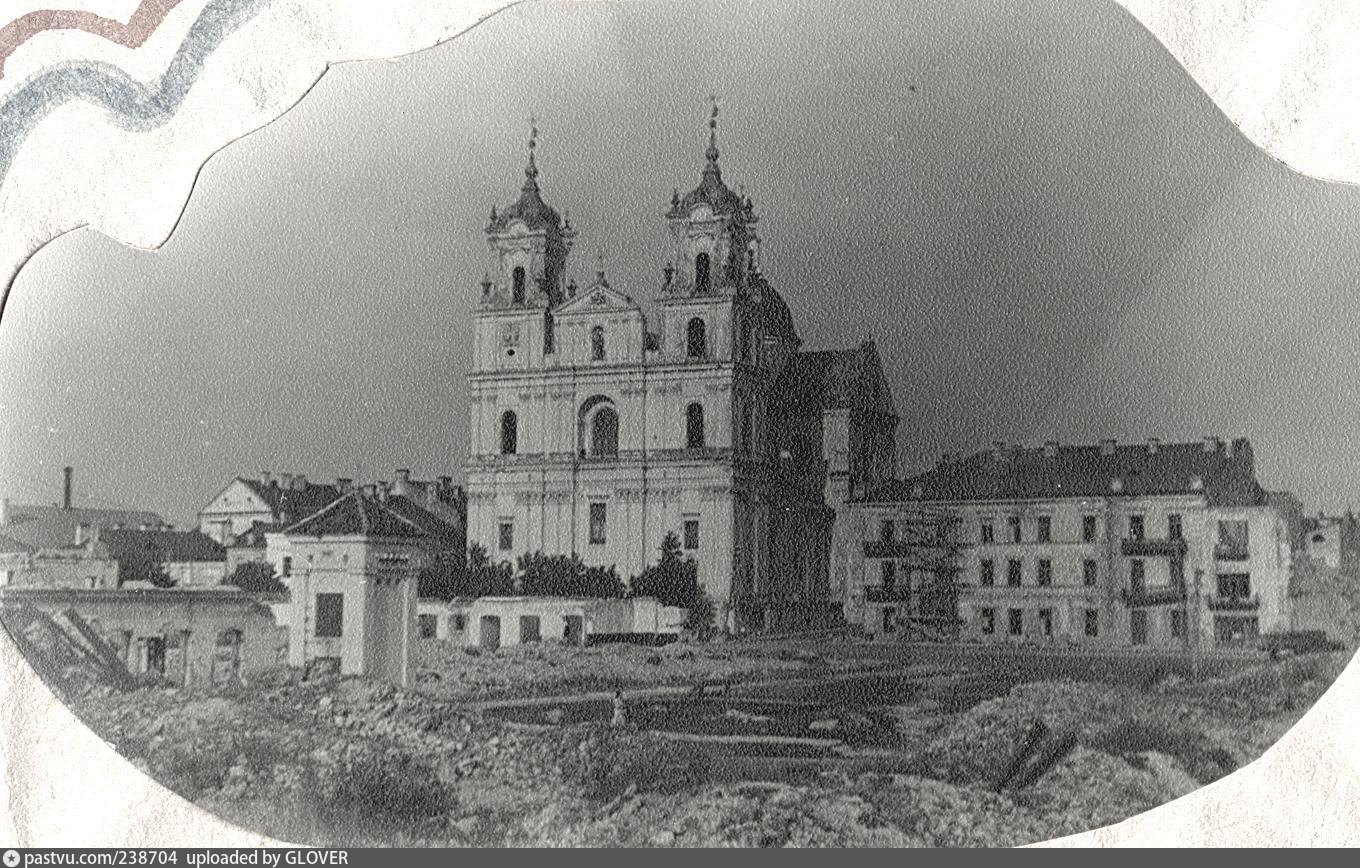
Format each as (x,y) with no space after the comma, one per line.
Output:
(775,317)
(711,190)
(1226,477)
(529,207)
(356,514)
(836,380)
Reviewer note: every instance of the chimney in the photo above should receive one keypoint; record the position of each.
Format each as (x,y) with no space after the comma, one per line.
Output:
(1107,446)
(383,491)
(81,530)
(299,482)
(66,473)
(1154,445)
(343,484)
(1212,444)
(403,475)
(1050,448)
(286,480)
(266,478)
(370,490)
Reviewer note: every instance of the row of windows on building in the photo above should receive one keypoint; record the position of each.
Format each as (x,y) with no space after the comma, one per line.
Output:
(1015,623)
(598,530)
(1232,533)
(1043,528)
(601,429)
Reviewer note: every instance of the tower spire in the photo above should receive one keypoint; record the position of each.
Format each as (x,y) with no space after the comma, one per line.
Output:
(531,170)
(712,152)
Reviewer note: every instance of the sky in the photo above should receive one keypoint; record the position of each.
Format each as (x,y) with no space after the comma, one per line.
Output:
(1047,228)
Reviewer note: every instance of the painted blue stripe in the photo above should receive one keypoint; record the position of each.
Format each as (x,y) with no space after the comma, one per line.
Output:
(132,104)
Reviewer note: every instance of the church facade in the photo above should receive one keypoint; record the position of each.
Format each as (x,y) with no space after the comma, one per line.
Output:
(595,431)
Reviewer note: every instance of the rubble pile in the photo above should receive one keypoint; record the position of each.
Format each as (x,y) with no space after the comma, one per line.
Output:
(346,761)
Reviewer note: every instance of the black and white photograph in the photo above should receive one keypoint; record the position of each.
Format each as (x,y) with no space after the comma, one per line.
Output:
(706,424)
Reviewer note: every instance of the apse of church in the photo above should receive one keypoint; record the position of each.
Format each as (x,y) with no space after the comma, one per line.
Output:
(595,432)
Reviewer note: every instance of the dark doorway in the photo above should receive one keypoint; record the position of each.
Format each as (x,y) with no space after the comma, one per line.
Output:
(155,655)
(529,629)
(1138,632)
(490,638)
(573,630)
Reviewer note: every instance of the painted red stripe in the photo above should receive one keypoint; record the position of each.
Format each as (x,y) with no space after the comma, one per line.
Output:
(144,21)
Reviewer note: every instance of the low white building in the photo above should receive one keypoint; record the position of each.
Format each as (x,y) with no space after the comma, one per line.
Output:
(494,622)
(1140,545)
(351,570)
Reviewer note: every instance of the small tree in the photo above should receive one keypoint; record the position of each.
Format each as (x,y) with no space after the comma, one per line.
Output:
(144,565)
(566,576)
(674,581)
(483,578)
(445,579)
(256,577)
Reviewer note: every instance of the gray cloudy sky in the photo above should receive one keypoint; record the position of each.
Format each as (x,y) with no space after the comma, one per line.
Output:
(1050,231)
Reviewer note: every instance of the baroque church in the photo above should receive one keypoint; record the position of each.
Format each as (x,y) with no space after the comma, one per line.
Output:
(596,431)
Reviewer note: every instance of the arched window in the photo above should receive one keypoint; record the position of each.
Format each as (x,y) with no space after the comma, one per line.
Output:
(549,339)
(746,342)
(509,432)
(604,433)
(696,339)
(694,426)
(702,273)
(597,343)
(517,284)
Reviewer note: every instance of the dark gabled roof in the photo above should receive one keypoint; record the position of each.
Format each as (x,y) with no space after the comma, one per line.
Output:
(438,527)
(51,527)
(171,546)
(253,537)
(836,379)
(356,514)
(291,503)
(1225,476)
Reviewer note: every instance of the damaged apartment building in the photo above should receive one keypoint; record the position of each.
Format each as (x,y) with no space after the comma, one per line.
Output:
(73,588)
(1146,544)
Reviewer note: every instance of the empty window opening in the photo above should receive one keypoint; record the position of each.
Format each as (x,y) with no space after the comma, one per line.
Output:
(597,523)
(696,339)
(330,615)
(703,277)
(509,433)
(597,343)
(694,426)
(517,284)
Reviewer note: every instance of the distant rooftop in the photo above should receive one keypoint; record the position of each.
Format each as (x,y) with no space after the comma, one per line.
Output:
(51,527)
(1223,472)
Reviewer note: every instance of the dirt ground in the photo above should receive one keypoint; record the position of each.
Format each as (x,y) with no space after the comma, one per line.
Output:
(452,671)
(350,762)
